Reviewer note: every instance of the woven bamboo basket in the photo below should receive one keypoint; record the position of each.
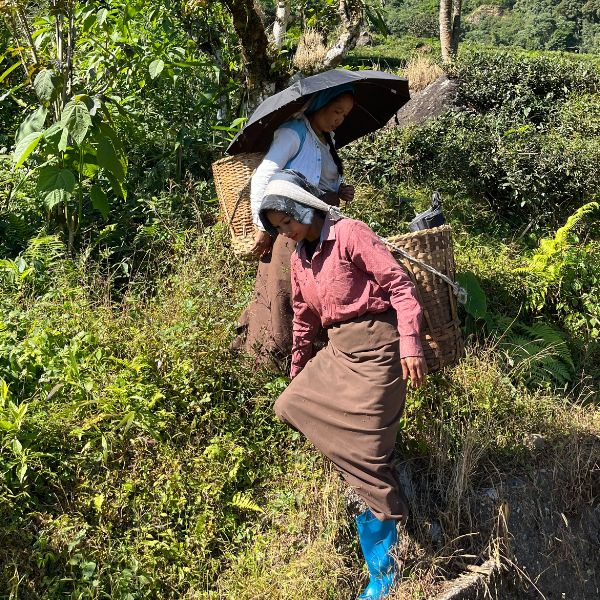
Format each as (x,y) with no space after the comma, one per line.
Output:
(441,338)
(232,181)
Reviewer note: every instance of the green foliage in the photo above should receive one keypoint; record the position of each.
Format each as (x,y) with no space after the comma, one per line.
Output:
(565,275)
(525,139)
(536,354)
(413,17)
(525,86)
(572,26)
(535,25)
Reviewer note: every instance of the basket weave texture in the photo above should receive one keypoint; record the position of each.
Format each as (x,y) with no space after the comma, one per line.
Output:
(232,181)
(441,336)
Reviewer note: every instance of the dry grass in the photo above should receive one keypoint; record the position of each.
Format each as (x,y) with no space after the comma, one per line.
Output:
(421,71)
(310,52)
(468,419)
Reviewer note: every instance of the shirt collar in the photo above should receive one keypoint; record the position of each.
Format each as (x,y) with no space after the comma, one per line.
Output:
(327,234)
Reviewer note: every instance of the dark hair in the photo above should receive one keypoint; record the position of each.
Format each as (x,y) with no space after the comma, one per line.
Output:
(336,158)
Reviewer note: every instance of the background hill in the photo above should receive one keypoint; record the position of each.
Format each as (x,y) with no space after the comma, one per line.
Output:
(568,25)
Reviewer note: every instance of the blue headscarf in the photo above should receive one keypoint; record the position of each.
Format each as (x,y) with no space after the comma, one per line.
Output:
(324,97)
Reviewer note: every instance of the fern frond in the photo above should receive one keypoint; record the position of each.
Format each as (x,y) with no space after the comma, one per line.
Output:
(243,501)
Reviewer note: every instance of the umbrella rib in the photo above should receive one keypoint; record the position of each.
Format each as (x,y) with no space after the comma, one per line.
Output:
(368,113)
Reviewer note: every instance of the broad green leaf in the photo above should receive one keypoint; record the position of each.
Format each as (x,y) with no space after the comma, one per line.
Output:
(101,16)
(9,71)
(89,167)
(53,133)
(88,20)
(107,131)
(25,147)
(109,160)
(87,569)
(33,123)
(55,178)
(43,85)
(116,185)
(63,143)
(476,300)
(51,199)
(155,68)
(76,118)
(99,200)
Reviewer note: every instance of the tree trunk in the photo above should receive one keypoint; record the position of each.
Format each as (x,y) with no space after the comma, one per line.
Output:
(254,44)
(282,16)
(351,17)
(456,10)
(449,27)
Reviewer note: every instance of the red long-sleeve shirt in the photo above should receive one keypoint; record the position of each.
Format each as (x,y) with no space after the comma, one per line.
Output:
(351,273)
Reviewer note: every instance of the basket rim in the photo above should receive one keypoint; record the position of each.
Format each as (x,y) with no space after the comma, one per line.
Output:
(411,234)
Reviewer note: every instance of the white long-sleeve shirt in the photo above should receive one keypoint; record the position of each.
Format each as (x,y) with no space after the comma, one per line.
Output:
(313,160)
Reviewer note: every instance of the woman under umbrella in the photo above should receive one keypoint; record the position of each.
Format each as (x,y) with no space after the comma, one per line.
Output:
(305,144)
(348,397)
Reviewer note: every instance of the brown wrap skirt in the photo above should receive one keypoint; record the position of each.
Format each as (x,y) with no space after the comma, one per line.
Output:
(266,323)
(348,401)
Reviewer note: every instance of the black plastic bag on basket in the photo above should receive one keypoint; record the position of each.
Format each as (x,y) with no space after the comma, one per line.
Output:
(432,217)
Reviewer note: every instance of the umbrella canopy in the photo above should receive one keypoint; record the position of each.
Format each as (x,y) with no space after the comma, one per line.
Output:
(377,97)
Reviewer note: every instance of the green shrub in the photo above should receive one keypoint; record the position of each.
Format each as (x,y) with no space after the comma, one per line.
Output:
(525,85)
(527,173)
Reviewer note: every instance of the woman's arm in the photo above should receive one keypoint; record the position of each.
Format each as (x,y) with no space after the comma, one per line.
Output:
(284,146)
(305,325)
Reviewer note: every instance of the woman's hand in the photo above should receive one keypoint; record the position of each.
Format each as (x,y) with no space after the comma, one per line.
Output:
(414,367)
(331,198)
(263,243)
(346,193)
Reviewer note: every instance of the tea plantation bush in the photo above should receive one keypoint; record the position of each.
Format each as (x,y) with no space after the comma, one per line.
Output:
(524,138)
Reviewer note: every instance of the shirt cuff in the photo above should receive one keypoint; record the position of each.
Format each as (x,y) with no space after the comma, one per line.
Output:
(299,359)
(410,345)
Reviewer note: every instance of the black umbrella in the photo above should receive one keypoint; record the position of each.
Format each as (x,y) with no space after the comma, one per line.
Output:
(377,97)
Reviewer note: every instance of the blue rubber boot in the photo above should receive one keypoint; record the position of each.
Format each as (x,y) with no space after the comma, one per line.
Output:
(377,540)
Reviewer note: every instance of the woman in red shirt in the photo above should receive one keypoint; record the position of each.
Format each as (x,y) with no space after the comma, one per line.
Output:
(348,398)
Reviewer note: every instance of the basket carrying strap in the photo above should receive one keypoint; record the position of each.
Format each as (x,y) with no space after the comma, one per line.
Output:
(460,293)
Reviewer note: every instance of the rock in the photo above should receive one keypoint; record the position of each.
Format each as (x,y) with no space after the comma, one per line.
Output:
(535,441)
(428,103)
(491,493)
(406,481)
(364,39)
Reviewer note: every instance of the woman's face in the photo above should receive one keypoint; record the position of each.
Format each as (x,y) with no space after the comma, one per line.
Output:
(287,226)
(332,115)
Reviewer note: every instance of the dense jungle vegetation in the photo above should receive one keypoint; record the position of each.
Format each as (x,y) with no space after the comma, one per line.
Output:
(138,457)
